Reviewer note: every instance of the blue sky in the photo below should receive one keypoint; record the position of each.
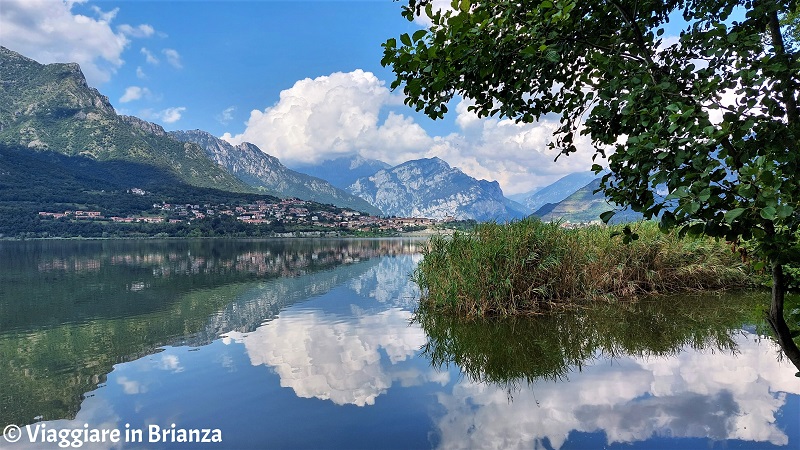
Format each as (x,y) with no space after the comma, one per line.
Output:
(300,79)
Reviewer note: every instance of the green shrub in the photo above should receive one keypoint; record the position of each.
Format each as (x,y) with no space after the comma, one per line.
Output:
(529,267)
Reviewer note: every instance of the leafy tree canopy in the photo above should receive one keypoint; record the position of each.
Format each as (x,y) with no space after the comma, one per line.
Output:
(710,116)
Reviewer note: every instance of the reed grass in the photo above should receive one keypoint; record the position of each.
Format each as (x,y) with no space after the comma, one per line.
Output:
(532,267)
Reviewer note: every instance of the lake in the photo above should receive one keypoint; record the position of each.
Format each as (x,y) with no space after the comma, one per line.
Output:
(310,344)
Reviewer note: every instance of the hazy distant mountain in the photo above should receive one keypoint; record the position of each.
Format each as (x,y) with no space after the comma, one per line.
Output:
(266,172)
(557,191)
(51,107)
(584,206)
(344,171)
(522,197)
(431,188)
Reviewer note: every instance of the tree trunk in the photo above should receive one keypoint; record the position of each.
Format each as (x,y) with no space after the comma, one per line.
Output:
(776,320)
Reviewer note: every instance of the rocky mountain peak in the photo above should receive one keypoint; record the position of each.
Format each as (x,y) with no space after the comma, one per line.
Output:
(144,125)
(431,188)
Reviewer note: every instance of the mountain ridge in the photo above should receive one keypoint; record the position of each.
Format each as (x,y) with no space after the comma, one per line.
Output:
(254,167)
(430,188)
(343,171)
(52,108)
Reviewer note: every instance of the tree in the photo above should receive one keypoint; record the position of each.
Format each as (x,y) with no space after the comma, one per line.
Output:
(710,116)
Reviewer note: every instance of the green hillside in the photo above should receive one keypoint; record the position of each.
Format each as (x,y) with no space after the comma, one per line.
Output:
(51,108)
(583,206)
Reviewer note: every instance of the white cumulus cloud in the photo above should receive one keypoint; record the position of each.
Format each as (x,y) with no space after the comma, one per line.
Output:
(171,115)
(48,31)
(330,359)
(164,116)
(133,93)
(694,394)
(345,114)
(332,116)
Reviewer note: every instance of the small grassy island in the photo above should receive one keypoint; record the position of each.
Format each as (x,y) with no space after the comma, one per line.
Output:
(531,267)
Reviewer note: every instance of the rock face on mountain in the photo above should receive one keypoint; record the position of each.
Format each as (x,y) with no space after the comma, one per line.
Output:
(342,172)
(431,188)
(265,172)
(583,206)
(51,107)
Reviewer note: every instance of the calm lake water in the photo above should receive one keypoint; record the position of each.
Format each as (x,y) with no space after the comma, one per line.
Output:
(310,344)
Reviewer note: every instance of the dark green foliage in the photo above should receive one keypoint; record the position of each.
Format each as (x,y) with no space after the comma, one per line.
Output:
(522,350)
(605,69)
(33,181)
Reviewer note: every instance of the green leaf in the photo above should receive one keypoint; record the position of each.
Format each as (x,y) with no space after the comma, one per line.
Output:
(731,215)
(419,34)
(606,216)
(768,213)
(784,211)
(464,5)
(405,39)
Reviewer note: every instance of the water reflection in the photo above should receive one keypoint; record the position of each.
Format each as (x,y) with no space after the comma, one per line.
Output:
(698,393)
(677,368)
(339,356)
(70,311)
(328,357)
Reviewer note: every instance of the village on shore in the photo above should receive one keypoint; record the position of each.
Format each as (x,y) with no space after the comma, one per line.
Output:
(291,211)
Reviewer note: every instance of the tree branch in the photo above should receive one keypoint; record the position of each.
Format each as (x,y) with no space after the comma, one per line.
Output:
(787,92)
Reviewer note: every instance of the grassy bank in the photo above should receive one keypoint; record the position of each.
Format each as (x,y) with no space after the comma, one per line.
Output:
(531,267)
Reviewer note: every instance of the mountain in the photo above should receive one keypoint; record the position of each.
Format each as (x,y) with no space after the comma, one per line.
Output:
(584,205)
(431,188)
(522,197)
(557,191)
(265,172)
(344,171)
(51,108)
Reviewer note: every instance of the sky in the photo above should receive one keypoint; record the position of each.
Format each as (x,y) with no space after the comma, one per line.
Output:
(300,79)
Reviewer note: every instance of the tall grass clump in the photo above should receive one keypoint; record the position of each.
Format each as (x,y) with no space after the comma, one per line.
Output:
(530,267)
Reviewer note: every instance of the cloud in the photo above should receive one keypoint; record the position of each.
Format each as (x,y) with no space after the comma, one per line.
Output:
(134,93)
(349,359)
(226,115)
(437,5)
(167,116)
(332,116)
(340,115)
(171,363)
(141,31)
(49,32)
(140,73)
(172,115)
(149,57)
(104,16)
(173,57)
(694,394)
(331,359)
(131,387)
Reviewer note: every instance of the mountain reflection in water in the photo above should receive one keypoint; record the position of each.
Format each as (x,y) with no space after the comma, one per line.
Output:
(315,344)
(676,367)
